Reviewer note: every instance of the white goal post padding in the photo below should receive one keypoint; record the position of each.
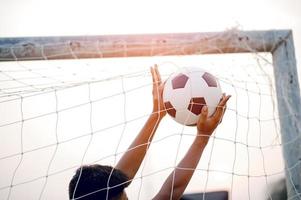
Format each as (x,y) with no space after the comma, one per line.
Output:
(277,42)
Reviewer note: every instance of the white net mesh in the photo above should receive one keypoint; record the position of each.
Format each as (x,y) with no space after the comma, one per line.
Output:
(58,115)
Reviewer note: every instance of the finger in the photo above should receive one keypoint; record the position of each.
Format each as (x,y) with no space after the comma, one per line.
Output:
(203,116)
(158,74)
(224,101)
(154,77)
(161,88)
(221,107)
(224,110)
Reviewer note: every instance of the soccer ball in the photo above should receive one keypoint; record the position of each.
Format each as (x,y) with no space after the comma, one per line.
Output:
(187,91)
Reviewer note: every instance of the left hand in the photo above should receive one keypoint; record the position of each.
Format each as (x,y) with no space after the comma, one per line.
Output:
(158,105)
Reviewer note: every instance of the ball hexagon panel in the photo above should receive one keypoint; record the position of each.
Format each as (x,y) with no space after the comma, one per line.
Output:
(196,104)
(170,109)
(209,79)
(179,81)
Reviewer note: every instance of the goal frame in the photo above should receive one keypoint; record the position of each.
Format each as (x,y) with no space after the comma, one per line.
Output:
(277,42)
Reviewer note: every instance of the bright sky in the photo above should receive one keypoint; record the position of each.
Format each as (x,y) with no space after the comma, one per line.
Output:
(44,17)
(90,17)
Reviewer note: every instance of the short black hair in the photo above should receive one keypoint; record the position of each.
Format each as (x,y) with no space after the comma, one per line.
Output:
(92,182)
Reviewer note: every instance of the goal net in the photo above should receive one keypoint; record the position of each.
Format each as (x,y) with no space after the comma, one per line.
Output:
(60,110)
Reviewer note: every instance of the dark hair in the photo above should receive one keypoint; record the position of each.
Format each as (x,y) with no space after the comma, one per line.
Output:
(92,182)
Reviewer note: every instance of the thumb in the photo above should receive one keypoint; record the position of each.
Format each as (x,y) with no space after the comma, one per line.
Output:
(203,117)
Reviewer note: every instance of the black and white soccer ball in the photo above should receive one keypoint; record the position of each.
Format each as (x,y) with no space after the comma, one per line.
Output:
(187,91)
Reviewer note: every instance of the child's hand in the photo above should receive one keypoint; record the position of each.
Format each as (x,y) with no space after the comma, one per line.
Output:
(206,125)
(158,105)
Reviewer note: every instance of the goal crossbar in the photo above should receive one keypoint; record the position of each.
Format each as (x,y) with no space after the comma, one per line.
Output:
(70,47)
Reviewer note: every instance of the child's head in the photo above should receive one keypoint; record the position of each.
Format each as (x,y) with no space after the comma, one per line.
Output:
(93,183)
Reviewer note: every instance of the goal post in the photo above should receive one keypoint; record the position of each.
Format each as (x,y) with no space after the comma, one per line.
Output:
(277,42)
(286,76)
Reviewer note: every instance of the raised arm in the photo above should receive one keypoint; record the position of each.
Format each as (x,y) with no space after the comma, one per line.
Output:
(177,181)
(133,157)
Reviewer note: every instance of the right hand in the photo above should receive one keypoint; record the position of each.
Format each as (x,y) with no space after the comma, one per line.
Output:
(206,125)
